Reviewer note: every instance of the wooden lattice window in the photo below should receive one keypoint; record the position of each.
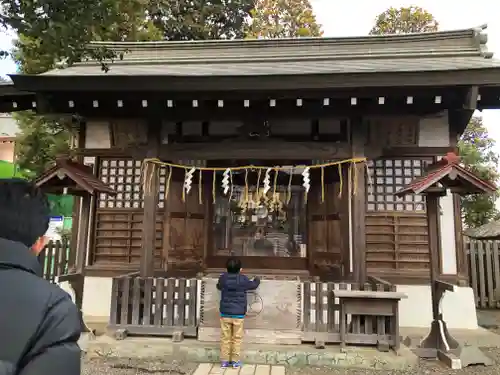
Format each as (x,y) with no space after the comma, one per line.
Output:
(386,177)
(124,176)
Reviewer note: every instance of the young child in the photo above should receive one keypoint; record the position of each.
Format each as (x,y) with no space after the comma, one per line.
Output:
(233,307)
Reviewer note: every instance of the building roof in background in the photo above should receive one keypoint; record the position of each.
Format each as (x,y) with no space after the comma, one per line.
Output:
(489,231)
(439,51)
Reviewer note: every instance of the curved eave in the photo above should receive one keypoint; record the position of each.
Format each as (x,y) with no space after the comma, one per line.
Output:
(487,77)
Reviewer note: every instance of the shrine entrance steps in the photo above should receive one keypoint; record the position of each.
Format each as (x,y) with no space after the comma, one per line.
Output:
(194,351)
(213,369)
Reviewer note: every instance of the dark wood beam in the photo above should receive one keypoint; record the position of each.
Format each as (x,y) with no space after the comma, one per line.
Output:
(458,119)
(115,82)
(358,192)
(232,150)
(415,151)
(471,98)
(150,190)
(234,110)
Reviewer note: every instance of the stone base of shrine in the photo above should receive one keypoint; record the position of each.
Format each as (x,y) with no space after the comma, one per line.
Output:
(458,308)
(415,311)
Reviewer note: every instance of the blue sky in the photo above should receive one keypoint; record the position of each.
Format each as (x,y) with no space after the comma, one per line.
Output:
(355,17)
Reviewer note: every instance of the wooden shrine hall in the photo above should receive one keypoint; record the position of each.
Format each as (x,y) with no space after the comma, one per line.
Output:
(285,153)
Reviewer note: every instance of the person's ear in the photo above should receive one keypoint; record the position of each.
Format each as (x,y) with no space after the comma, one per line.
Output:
(39,245)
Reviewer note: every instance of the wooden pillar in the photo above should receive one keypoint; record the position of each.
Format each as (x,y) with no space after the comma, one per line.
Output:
(77,201)
(457,121)
(358,191)
(432,202)
(83,234)
(150,190)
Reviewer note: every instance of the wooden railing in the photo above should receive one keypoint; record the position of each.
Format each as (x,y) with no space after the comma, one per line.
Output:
(154,306)
(321,315)
(54,259)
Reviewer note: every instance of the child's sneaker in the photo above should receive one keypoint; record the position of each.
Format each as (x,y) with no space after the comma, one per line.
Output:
(225,364)
(237,364)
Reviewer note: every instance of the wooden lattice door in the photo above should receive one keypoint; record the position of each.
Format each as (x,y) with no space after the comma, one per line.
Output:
(184,229)
(327,232)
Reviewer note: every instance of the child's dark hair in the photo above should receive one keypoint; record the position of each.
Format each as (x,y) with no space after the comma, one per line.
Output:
(233,265)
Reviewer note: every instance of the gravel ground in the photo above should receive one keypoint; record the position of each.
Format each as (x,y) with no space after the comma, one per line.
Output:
(126,366)
(112,366)
(170,366)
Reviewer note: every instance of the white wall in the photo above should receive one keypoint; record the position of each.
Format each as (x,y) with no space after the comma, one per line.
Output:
(458,308)
(448,243)
(97,298)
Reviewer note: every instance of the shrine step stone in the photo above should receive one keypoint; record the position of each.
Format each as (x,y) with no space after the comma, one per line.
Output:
(215,369)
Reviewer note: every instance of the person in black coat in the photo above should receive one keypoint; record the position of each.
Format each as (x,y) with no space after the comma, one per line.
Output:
(39,324)
(233,308)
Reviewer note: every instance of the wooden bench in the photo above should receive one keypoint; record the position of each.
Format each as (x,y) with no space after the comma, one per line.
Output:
(369,303)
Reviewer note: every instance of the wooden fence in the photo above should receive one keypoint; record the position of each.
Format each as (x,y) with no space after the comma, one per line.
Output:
(321,316)
(54,259)
(154,306)
(484,271)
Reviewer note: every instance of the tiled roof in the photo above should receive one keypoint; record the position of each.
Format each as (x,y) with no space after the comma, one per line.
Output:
(440,51)
(80,176)
(449,173)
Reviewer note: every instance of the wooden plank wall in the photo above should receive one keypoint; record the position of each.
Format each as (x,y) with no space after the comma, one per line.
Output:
(396,241)
(396,228)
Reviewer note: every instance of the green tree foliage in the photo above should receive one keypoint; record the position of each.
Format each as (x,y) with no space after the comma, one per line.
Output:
(200,19)
(39,141)
(404,20)
(479,156)
(53,31)
(63,28)
(283,19)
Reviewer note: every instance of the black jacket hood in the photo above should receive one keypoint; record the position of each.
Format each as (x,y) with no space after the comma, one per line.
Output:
(16,255)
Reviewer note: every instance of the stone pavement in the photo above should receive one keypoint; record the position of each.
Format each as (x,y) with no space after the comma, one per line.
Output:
(211,369)
(270,355)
